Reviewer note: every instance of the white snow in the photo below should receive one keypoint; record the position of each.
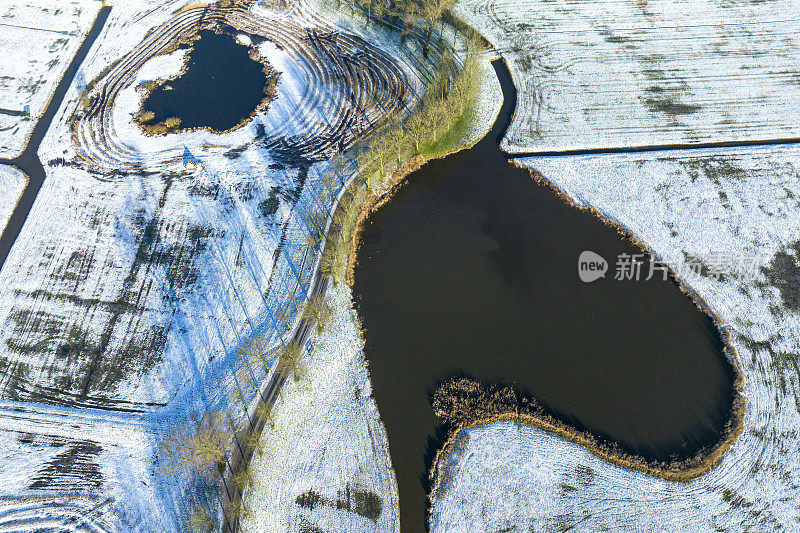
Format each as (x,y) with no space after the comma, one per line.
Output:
(613,73)
(711,203)
(327,436)
(488,101)
(12,182)
(38,39)
(134,291)
(67,469)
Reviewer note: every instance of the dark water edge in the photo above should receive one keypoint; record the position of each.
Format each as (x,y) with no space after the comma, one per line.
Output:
(471,269)
(28,161)
(220,87)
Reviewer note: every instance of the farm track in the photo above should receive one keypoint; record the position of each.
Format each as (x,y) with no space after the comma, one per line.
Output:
(63,513)
(657,148)
(243,448)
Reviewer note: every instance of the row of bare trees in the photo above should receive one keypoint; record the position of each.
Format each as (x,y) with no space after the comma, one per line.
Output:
(202,447)
(407,14)
(443,105)
(199,449)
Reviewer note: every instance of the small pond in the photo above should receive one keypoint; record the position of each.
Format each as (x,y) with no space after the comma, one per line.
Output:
(220,87)
(472,269)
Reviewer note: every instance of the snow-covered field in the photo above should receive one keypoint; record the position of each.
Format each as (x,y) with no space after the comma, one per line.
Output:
(146,267)
(38,39)
(328,435)
(720,206)
(67,469)
(12,182)
(135,280)
(131,288)
(328,441)
(612,73)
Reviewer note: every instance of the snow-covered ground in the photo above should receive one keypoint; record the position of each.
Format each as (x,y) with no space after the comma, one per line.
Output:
(613,73)
(128,293)
(327,440)
(12,182)
(328,435)
(131,288)
(70,469)
(38,39)
(727,208)
(487,103)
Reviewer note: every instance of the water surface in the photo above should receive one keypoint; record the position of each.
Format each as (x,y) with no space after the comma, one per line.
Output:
(472,268)
(220,87)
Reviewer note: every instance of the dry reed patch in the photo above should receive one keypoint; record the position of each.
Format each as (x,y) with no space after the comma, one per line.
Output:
(464,403)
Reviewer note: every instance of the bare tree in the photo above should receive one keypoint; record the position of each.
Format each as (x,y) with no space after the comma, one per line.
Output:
(252,439)
(318,309)
(339,165)
(368,6)
(380,9)
(246,378)
(256,351)
(285,313)
(415,129)
(234,509)
(431,12)
(404,10)
(244,478)
(332,179)
(202,520)
(377,157)
(289,361)
(265,411)
(316,221)
(396,140)
(200,448)
(327,263)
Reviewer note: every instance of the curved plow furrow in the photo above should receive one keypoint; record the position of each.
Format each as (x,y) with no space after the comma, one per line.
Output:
(57,514)
(333,87)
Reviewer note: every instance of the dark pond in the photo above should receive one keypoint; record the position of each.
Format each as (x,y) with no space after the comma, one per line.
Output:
(220,87)
(472,268)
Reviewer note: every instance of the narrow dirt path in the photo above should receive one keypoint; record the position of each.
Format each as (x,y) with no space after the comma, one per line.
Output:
(243,448)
